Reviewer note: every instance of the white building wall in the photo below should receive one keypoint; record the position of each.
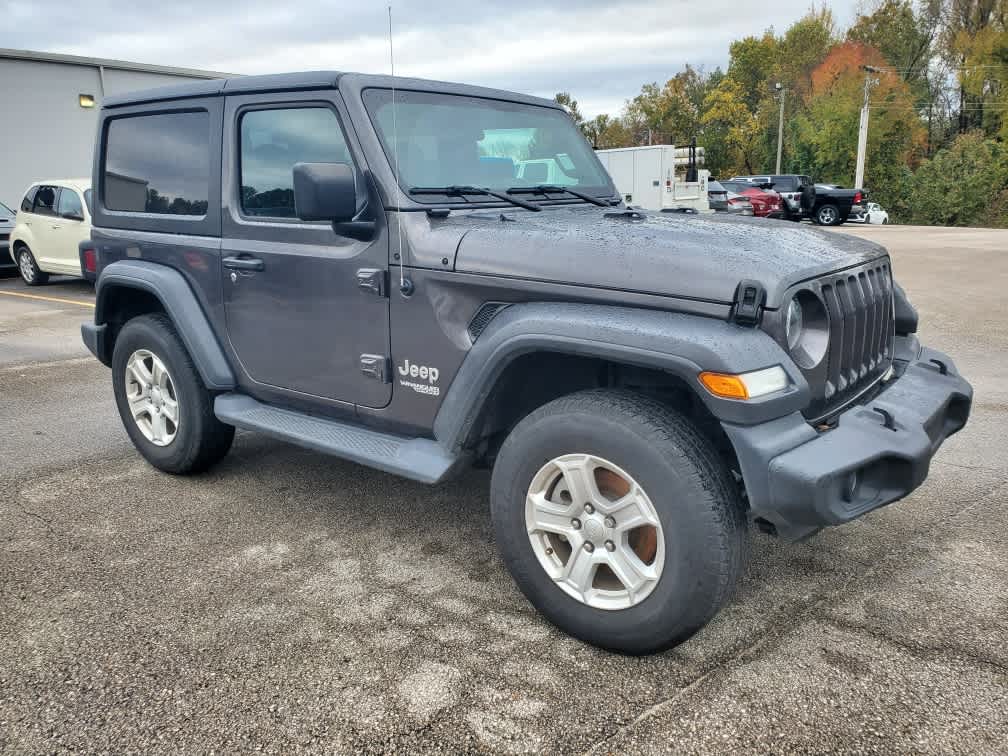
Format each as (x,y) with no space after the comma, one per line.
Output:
(44,132)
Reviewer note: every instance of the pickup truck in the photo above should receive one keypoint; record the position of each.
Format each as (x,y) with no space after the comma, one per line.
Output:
(822,204)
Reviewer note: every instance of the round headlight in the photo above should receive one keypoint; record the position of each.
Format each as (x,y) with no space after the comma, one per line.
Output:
(806,329)
(794,323)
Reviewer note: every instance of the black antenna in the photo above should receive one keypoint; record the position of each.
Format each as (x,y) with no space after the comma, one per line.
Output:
(405,285)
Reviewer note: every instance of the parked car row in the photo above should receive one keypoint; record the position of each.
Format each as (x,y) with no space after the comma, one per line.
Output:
(794,197)
(44,236)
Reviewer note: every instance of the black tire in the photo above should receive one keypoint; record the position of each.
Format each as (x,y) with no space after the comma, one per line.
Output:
(201,439)
(30,272)
(828,215)
(689,485)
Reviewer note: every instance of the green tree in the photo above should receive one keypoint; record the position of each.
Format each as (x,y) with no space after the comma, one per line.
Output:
(668,114)
(803,47)
(569,104)
(964,185)
(753,64)
(726,111)
(605,132)
(903,36)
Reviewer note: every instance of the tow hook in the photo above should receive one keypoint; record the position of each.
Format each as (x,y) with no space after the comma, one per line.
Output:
(887,418)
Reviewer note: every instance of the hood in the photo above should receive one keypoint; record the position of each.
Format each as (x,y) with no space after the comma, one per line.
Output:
(687,256)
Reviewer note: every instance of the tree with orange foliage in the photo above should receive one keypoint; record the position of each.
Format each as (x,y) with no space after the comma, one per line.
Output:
(827,131)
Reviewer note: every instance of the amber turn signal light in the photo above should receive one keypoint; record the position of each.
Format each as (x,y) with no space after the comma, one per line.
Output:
(728,386)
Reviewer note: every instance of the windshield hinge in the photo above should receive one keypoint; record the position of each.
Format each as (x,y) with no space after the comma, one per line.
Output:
(750,296)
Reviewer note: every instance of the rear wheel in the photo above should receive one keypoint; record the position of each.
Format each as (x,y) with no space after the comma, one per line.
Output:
(828,215)
(618,520)
(30,272)
(166,409)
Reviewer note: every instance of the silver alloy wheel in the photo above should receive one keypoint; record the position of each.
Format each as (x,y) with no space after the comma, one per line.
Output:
(827,215)
(595,531)
(26,266)
(151,396)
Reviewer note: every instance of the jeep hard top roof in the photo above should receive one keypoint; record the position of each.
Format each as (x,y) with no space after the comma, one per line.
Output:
(307,80)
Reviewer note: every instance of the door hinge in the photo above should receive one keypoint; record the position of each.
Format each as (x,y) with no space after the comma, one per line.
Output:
(373,281)
(376,366)
(750,296)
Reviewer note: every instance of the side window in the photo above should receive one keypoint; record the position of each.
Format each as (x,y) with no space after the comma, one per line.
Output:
(29,198)
(45,201)
(158,164)
(272,141)
(87,199)
(69,202)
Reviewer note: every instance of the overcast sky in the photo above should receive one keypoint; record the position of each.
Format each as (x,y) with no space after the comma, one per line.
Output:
(600,51)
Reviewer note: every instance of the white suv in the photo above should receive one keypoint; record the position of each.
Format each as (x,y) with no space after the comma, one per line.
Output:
(55,217)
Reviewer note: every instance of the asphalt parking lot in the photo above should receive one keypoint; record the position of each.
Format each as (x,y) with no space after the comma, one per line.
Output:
(290,601)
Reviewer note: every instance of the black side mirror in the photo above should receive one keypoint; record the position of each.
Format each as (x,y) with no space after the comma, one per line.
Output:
(71,215)
(324,192)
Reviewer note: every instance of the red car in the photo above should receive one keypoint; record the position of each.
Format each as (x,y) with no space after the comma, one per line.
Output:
(766,202)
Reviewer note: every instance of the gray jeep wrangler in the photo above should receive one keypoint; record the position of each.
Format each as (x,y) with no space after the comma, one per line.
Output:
(421,276)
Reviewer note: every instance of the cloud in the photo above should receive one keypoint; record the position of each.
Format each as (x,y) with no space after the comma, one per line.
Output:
(602,52)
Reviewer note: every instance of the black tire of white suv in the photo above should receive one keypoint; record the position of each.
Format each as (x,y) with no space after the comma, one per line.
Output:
(683,567)
(30,272)
(164,406)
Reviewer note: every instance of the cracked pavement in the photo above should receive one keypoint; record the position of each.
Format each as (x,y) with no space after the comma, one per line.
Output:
(287,601)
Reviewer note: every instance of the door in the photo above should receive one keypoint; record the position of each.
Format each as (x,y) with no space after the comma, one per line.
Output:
(298,316)
(44,225)
(69,230)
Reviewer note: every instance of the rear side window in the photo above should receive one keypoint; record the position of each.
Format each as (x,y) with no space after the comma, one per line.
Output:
(69,202)
(272,141)
(158,164)
(45,201)
(785,184)
(29,198)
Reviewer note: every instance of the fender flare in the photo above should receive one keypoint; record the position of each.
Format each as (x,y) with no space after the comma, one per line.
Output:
(181,305)
(681,344)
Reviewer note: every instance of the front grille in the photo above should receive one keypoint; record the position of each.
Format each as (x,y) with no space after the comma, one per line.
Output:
(862,330)
(4,237)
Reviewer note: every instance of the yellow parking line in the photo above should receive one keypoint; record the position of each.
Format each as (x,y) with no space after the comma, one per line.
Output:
(47,299)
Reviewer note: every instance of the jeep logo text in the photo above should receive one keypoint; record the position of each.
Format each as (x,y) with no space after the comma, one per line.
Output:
(423,372)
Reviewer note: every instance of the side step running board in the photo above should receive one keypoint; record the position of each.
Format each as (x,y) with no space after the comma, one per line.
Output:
(417,458)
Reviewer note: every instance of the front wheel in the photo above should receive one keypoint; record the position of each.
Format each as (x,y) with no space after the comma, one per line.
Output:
(166,409)
(618,520)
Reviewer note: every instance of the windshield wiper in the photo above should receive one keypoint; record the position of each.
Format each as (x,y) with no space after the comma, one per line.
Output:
(552,189)
(463,191)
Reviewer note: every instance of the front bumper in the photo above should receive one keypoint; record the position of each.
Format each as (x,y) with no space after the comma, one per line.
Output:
(799,479)
(95,340)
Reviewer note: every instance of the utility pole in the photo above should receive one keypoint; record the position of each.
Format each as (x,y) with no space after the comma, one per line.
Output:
(780,125)
(862,143)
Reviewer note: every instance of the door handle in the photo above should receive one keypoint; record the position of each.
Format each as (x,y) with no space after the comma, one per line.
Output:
(243,263)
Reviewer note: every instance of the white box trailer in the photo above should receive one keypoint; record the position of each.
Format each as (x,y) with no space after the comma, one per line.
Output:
(646,177)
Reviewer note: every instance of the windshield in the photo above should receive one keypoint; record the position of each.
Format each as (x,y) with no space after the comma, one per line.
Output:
(6,211)
(452,140)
